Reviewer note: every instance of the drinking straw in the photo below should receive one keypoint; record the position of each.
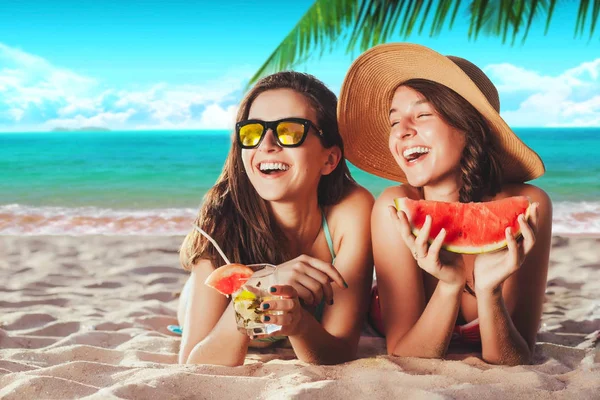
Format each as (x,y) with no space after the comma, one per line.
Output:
(206,235)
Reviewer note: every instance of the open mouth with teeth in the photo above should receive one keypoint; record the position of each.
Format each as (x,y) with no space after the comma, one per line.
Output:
(273,168)
(411,155)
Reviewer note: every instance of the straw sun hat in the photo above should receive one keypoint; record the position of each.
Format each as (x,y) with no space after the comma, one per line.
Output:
(363,108)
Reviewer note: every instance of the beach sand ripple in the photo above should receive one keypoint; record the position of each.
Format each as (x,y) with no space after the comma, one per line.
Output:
(86,317)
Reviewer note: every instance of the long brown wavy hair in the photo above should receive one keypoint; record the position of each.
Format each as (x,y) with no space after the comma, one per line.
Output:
(479,165)
(233,213)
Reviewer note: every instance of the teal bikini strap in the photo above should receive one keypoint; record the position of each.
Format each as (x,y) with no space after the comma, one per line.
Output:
(328,236)
(321,306)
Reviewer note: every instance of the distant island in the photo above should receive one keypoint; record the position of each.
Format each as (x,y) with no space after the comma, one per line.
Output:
(84,129)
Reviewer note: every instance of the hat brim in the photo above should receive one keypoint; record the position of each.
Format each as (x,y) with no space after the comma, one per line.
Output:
(363,109)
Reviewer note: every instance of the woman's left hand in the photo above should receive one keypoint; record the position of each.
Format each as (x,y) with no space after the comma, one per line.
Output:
(492,269)
(284,310)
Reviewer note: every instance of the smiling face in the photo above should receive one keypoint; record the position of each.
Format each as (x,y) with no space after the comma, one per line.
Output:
(427,149)
(286,174)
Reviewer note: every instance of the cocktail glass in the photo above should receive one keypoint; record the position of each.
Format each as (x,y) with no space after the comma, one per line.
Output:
(247,300)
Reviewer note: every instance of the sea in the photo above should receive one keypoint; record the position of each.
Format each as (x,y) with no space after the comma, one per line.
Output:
(153,182)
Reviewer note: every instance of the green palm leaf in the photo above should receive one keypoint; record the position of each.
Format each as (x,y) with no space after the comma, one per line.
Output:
(320,28)
(499,18)
(366,23)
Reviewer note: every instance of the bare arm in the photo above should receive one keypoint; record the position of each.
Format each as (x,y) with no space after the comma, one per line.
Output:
(412,327)
(335,340)
(508,330)
(209,335)
(224,345)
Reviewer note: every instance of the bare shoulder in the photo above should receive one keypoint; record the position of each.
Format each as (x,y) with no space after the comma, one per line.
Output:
(534,193)
(386,198)
(356,202)
(349,218)
(201,270)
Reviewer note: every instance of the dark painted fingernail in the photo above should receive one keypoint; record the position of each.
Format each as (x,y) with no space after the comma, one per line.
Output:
(265,306)
(345,285)
(273,289)
(331,302)
(267,318)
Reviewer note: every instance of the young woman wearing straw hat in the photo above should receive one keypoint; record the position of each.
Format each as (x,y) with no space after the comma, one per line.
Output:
(432,122)
(285,197)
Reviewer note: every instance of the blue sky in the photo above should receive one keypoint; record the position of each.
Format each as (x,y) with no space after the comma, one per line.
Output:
(183,64)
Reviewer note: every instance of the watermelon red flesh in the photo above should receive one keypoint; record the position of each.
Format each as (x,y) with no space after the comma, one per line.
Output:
(229,278)
(470,227)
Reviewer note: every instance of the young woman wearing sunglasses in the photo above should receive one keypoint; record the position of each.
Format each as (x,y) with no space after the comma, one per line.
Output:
(285,197)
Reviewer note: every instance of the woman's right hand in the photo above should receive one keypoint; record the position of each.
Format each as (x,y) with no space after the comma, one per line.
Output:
(445,266)
(311,278)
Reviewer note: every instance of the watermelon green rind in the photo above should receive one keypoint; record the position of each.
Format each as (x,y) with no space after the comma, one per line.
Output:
(229,278)
(402,204)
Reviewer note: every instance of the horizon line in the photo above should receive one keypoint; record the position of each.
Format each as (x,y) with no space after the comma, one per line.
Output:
(108,130)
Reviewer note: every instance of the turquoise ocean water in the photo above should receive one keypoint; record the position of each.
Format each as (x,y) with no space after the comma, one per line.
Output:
(153,182)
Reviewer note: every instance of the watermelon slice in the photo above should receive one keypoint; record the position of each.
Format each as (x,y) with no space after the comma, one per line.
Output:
(229,278)
(471,228)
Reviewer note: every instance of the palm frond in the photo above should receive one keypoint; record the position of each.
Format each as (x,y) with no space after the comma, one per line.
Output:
(530,19)
(320,28)
(503,22)
(595,13)
(550,13)
(456,7)
(519,18)
(440,17)
(366,23)
(427,9)
(505,16)
(478,17)
(581,16)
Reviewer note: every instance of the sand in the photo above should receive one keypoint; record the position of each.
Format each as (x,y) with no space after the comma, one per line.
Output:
(86,317)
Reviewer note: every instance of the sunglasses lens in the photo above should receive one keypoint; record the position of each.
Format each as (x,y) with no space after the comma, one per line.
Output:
(290,133)
(250,134)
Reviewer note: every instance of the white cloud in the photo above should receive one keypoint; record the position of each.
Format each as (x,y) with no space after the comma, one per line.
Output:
(589,107)
(20,57)
(28,79)
(35,93)
(510,78)
(569,99)
(591,68)
(103,120)
(78,105)
(16,113)
(214,116)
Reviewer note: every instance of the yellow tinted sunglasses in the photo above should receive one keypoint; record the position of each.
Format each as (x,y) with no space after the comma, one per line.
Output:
(289,132)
